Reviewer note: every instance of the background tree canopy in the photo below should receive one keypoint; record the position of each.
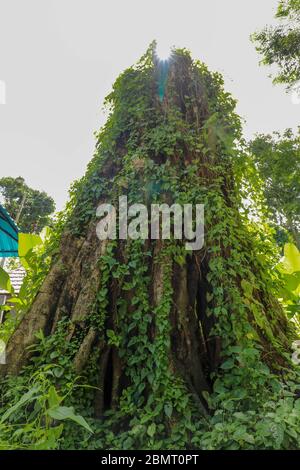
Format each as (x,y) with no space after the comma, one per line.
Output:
(277,159)
(30,206)
(281,44)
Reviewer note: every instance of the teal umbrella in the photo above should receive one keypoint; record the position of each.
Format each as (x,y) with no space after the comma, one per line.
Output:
(8,235)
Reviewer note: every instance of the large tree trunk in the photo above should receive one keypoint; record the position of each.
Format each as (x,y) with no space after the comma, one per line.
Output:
(175,313)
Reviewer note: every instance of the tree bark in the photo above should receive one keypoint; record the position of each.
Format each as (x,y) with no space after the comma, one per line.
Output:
(73,283)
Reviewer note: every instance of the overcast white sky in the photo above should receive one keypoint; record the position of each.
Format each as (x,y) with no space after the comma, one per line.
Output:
(59,59)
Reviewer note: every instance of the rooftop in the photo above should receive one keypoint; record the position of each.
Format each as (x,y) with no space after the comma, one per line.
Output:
(16,279)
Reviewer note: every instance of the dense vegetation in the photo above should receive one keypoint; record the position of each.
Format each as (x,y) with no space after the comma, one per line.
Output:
(277,160)
(142,344)
(29,207)
(280,45)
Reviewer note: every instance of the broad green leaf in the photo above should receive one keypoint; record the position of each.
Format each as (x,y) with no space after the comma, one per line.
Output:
(151,429)
(23,293)
(229,364)
(27,397)
(291,260)
(16,301)
(27,241)
(54,399)
(168,410)
(292,281)
(24,263)
(61,413)
(5,280)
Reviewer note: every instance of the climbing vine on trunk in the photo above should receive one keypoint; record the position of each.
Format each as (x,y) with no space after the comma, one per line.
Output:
(172,340)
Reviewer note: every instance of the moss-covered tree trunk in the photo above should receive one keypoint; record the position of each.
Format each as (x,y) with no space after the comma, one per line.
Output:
(152,321)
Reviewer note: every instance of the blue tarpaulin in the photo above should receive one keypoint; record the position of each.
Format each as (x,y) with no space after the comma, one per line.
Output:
(8,235)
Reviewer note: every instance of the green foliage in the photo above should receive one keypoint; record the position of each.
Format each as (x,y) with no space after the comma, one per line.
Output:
(38,405)
(185,149)
(36,255)
(289,269)
(5,280)
(167,416)
(277,160)
(252,408)
(27,241)
(280,44)
(33,207)
(272,426)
